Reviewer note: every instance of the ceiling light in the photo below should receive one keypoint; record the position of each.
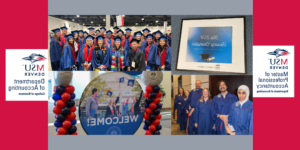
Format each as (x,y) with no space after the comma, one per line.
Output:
(147,25)
(83,24)
(103,19)
(136,23)
(91,21)
(77,15)
(156,21)
(72,19)
(142,18)
(123,15)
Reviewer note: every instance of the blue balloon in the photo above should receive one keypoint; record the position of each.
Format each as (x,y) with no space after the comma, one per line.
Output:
(60,117)
(146,105)
(156,111)
(158,127)
(148,100)
(156,132)
(152,95)
(145,127)
(72,129)
(70,103)
(57,124)
(56,96)
(156,88)
(73,95)
(148,122)
(159,106)
(59,90)
(74,122)
(56,129)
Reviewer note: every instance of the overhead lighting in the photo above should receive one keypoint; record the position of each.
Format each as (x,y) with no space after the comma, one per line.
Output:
(83,24)
(142,18)
(103,19)
(156,21)
(72,19)
(147,25)
(91,21)
(136,23)
(123,15)
(77,15)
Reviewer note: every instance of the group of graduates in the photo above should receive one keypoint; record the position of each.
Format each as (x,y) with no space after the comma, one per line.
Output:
(225,114)
(113,51)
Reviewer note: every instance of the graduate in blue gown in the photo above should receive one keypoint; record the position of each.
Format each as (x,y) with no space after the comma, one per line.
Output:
(184,112)
(68,58)
(163,59)
(193,98)
(115,34)
(109,40)
(177,102)
(221,106)
(157,34)
(102,31)
(84,58)
(81,38)
(146,32)
(138,36)
(240,113)
(128,36)
(203,119)
(101,54)
(56,46)
(118,56)
(150,51)
(251,125)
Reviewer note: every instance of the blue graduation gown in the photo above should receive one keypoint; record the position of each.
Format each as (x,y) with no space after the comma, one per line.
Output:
(81,42)
(117,53)
(240,117)
(152,57)
(80,59)
(183,115)
(167,59)
(55,50)
(110,43)
(194,96)
(175,107)
(126,53)
(178,99)
(169,41)
(222,106)
(67,60)
(96,63)
(203,117)
(251,125)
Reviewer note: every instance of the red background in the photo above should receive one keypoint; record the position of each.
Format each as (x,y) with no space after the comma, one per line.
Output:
(24,124)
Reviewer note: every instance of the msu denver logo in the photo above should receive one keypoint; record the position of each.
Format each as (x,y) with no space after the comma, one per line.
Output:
(279,52)
(35,57)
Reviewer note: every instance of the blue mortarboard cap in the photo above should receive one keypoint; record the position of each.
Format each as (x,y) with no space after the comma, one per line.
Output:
(80,31)
(103,28)
(55,30)
(134,40)
(158,32)
(64,27)
(138,33)
(116,28)
(100,37)
(90,37)
(85,32)
(128,30)
(162,38)
(109,32)
(69,36)
(118,38)
(97,30)
(149,36)
(120,31)
(91,28)
(75,32)
(146,30)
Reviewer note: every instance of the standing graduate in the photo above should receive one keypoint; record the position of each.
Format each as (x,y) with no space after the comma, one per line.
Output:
(194,96)
(146,31)
(118,56)
(76,42)
(184,111)
(120,34)
(138,36)
(203,119)
(81,38)
(158,34)
(169,39)
(85,54)
(109,40)
(85,34)
(164,54)
(63,36)
(102,31)
(97,32)
(115,31)
(177,103)
(150,51)
(101,54)
(240,113)
(56,47)
(221,106)
(92,33)
(68,58)
(136,57)
(128,36)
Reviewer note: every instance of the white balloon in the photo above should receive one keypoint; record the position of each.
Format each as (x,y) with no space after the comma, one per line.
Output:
(152,77)
(64,78)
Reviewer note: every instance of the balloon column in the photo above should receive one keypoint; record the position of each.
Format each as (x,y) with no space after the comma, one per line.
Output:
(152,95)
(64,103)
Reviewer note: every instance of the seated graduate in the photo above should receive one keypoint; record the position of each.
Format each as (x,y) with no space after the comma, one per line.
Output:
(68,58)
(138,36)
(56,46)
(102,31)
(146,31)
(120,34)
(164,54)
(150,51)
(115,31)
(118,55)
(128,36)
(109,40)
(101,54)
(85,54)
(136,57)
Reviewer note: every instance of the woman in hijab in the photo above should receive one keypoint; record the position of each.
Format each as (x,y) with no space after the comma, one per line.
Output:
(240,113)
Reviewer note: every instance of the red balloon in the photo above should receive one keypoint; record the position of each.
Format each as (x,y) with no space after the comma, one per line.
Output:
(73,109)
(152,105)
(158,94)
(60,103)
(156,101)
(158,116)
(61,130)
(156,122)
(69,89)
(67,124)
(152,128)
(147,132)
(75,133)
(146,116)
(54,88)
(146,94)
(65,96)
(57,110)
(148,111)
(59,134)
(149,89)
(71,116)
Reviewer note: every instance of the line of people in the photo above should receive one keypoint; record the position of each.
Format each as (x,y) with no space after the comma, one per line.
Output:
(113,51)
(225,114)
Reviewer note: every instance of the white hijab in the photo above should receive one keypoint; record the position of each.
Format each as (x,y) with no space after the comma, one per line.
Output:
(246,89)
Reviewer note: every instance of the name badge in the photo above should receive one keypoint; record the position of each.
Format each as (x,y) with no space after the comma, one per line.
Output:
(133,64)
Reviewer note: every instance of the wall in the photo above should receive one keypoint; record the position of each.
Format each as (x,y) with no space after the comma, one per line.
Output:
(166,84)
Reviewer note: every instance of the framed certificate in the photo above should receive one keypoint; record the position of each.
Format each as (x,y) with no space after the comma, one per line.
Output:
(212,45)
